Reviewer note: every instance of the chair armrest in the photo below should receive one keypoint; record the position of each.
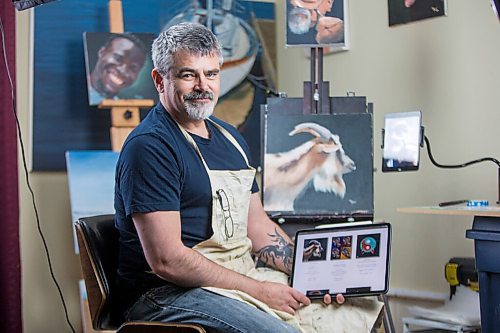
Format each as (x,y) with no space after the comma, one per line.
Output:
(158,327)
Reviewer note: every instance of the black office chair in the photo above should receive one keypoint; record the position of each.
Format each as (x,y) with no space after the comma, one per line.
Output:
(98,247)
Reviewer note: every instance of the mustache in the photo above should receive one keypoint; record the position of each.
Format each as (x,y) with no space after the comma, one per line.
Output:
(199,95)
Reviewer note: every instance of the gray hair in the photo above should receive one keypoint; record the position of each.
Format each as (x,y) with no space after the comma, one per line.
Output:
(191,37)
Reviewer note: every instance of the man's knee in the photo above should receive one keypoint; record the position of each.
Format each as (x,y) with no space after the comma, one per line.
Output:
(215,312)
(244,317)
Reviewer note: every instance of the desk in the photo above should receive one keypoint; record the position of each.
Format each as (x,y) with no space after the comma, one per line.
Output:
(486,234)
(463,210)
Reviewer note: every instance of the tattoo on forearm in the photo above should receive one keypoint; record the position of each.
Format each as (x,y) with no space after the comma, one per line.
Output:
(281,250)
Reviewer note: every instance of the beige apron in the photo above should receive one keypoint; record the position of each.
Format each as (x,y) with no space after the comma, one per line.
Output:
(230,247)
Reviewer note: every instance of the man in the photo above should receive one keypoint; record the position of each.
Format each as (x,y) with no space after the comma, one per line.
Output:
(188,209)
(119,62)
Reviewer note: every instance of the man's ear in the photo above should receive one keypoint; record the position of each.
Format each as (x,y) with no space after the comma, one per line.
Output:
(157,79)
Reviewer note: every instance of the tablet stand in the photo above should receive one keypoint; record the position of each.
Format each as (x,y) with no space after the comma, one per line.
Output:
(424,138)
(463,165)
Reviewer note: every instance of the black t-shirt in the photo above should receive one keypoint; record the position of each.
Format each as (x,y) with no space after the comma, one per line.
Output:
(159,170)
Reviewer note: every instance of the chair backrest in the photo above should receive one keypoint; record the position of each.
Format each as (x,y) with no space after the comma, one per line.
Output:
(98,247)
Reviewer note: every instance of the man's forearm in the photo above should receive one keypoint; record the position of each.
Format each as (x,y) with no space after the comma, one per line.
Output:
(270,243)
(188,268)
(191,269)
(171,260)
(278,253)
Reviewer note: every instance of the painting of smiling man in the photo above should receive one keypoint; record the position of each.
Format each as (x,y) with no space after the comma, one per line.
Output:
(118,66)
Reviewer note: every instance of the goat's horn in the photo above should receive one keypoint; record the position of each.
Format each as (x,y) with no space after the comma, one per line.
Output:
(314,129)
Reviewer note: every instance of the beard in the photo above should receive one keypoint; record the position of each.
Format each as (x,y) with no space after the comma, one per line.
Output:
(199,111)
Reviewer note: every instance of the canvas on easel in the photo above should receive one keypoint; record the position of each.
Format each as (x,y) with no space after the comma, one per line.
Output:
(317,23)
(318,164)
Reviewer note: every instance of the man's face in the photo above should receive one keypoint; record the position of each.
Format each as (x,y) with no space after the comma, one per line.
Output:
(192,86)
(117,66)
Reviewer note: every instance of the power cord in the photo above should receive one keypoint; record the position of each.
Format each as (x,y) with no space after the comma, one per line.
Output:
(463,165)
(456,166)
(26,173)
(255,81)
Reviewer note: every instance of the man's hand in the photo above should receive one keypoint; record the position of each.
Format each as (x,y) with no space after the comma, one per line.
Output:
(281,297)
(284,298)
(329,30)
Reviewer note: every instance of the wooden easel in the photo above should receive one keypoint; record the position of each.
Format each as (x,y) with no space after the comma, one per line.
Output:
(125,116)
(316,91)
(125,113)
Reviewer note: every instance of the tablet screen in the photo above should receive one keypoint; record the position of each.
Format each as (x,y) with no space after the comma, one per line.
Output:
(351,260)
(402,131)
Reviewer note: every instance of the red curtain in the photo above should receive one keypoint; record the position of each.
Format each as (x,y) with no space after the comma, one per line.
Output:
(10,265)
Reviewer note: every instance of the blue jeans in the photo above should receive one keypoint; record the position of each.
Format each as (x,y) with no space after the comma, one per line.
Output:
(214,312)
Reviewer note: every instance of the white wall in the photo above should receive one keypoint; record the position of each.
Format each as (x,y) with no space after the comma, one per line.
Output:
(41,305)
(445,67)
(448,68)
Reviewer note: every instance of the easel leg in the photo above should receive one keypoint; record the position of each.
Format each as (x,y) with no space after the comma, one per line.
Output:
(388,322)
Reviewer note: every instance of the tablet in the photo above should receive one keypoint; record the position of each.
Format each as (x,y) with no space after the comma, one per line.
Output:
(350,260)
(401,141)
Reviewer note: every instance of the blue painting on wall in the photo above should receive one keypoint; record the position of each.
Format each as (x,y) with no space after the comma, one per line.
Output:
(62,117)
(91,180)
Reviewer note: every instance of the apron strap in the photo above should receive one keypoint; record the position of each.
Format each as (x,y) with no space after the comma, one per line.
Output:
(225,132)
(232,139)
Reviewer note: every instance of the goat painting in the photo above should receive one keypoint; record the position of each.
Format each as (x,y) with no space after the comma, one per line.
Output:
(320,161)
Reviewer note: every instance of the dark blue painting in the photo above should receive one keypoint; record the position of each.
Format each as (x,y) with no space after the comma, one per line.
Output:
(62,117)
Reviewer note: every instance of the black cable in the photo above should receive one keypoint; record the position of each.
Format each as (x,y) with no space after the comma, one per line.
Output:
(26,173)
(456,166)
(268,90)
(258,78)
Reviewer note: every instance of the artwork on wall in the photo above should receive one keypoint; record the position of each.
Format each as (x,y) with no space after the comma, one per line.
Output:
(495,5)
(406,11)
(118,66)
(318,164)
(317,23)
(91,182)
(62,118)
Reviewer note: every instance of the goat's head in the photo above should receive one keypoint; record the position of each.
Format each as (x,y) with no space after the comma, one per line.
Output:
(329,176)
(317,248)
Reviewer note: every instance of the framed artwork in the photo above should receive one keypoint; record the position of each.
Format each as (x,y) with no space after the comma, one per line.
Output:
(317,23)
(118,66)
(62,117)
(319,164)
(495,5)
(406,11)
